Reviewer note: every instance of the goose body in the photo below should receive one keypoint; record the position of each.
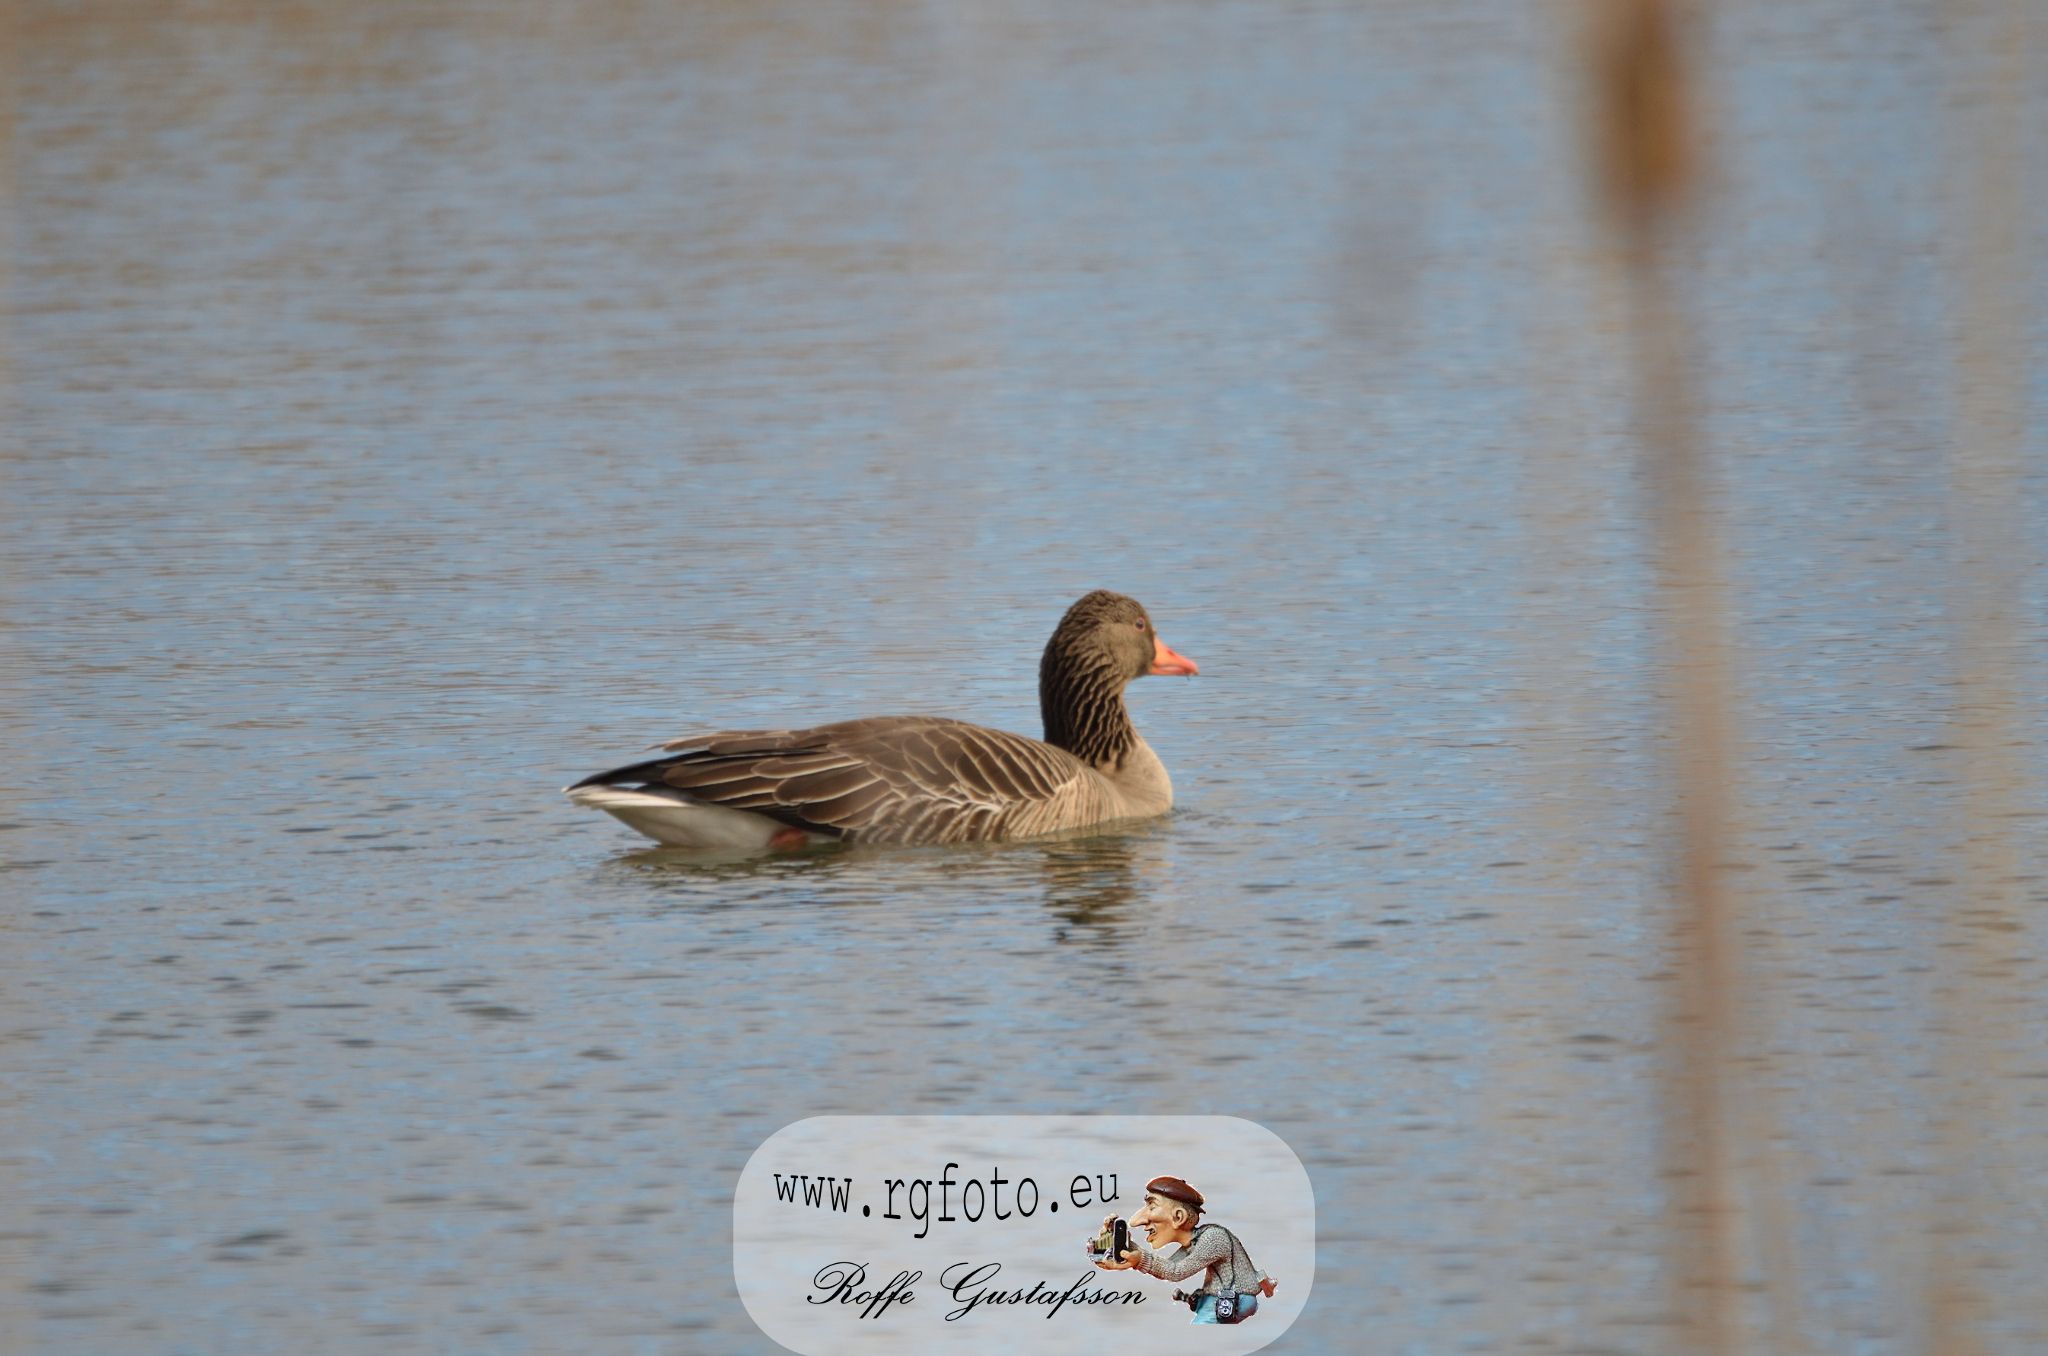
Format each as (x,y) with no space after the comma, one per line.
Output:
(920,779)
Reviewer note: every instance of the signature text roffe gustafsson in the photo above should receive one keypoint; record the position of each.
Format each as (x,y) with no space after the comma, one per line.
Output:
(971,1284)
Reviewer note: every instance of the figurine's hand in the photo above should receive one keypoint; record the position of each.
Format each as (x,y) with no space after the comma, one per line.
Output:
(1130,1260)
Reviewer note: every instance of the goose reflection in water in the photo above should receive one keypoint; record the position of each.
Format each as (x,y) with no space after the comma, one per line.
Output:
(1096,887)
(1095,884)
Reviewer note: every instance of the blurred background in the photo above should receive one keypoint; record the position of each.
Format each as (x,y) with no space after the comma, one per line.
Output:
(1594,452)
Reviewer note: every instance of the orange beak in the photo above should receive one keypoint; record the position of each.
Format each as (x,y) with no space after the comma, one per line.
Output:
(1165,663)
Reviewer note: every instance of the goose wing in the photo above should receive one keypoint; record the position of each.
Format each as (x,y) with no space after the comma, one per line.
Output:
(886,779)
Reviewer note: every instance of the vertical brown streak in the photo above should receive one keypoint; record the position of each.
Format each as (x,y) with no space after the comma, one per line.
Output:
(15,1264)
(1644,140)
(1700,1013)
(1981,965)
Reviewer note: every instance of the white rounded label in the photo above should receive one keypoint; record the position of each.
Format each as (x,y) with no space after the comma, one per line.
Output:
(930,1233)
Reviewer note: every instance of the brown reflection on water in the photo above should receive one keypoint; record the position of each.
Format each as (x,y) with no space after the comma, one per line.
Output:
(15,1246)
(1647,147)
(1989,959)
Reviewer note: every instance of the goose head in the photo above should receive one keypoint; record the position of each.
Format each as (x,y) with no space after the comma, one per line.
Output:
(1104,642)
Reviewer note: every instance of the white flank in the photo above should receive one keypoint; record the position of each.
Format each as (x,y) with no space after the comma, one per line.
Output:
(675,821)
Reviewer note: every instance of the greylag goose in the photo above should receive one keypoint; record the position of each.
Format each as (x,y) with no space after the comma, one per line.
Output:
(921,779)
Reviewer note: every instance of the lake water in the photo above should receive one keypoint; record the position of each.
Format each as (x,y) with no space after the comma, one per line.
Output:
(412,409)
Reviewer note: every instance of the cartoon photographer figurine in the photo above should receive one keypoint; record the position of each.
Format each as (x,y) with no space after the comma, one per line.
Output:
(1231,1285)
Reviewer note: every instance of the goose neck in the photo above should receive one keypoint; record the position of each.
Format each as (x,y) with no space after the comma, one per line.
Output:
(1083,707)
